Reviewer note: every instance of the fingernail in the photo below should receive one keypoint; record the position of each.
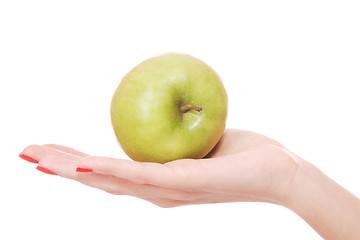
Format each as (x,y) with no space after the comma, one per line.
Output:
(45,170)
(80,169)
(27,158)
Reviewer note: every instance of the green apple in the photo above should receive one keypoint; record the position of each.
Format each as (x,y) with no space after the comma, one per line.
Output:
(169,107)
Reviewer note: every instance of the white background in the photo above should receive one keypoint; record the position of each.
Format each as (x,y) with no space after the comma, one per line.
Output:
(291,70)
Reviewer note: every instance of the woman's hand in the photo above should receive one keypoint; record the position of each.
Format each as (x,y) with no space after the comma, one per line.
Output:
(244,166)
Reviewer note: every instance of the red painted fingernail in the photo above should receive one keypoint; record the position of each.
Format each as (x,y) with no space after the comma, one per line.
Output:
(45,170)
(29,159)
(80,169)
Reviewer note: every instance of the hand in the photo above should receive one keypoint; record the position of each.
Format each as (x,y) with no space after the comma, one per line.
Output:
(244,166)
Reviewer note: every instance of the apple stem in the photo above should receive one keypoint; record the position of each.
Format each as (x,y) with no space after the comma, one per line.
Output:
(188,107)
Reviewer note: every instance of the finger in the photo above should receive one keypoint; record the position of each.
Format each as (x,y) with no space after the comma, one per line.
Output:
(66,150)
(38,152)
(64,166)
(169,176)
(120,186)
(163,197)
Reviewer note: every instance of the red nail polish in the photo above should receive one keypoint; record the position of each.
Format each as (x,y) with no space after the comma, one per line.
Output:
(45,170)
(29,159)
(80,169)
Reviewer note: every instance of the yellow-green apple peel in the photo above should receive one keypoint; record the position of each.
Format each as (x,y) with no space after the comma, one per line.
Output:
(169,107)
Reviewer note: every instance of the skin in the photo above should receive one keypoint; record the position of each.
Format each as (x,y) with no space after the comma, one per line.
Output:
(150,104)
(244,166)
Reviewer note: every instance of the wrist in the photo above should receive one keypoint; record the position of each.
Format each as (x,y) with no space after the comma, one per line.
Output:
(302,185)
(327,207)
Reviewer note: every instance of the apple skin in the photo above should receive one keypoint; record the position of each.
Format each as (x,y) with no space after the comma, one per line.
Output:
(145,109)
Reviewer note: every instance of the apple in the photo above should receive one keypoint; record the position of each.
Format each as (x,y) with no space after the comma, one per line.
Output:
(169,107)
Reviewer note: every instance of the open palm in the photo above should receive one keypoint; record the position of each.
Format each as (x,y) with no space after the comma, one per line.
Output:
(243,166)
